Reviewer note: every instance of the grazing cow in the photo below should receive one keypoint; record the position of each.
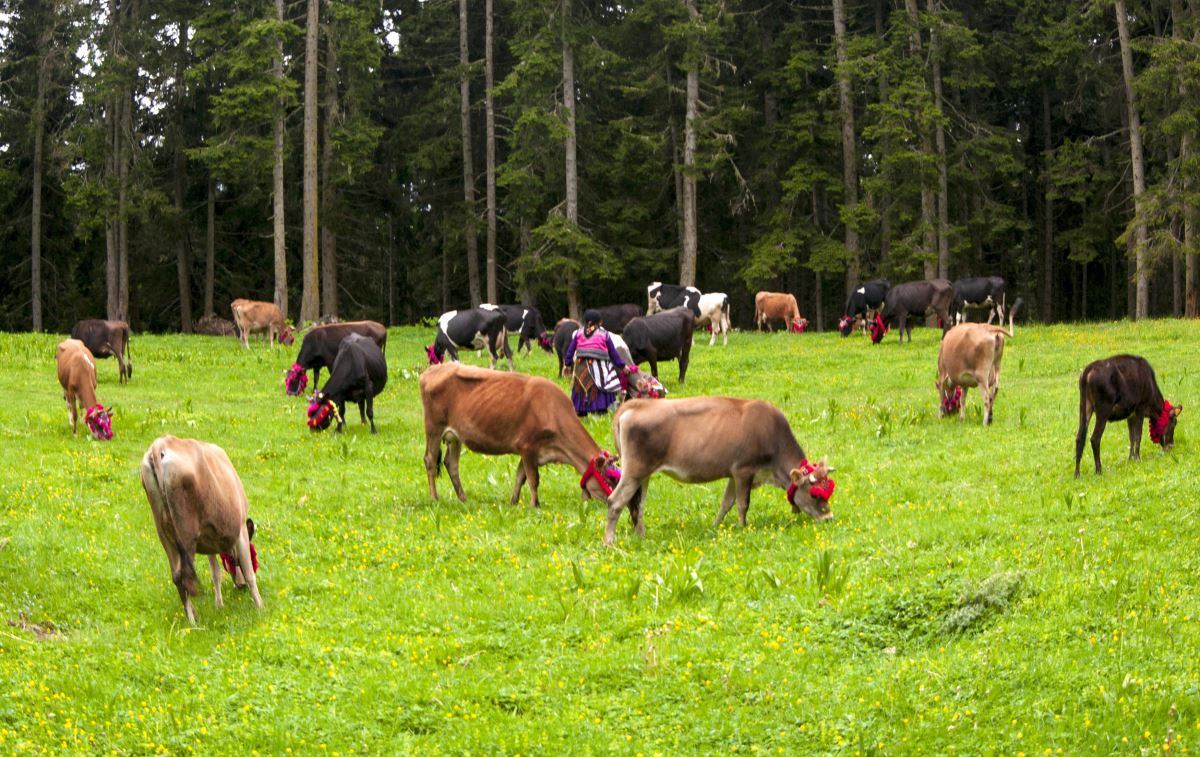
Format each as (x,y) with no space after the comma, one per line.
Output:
(199,507)
(614,318)
(107,339)
(252,316)
(660,297)
(970,355)
(778,306)
(77,374)
(320,349)
(714,313)
(984,292)
(702,439)
(662,336)
(563,331)
(527,324)
(503,414)
(861,303)
(914,298)
(471,329)
(1119,388)
(358,374)
(212,325)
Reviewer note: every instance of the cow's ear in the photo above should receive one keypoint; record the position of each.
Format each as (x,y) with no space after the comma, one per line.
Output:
(796,476)
(1174,411)
(250,529)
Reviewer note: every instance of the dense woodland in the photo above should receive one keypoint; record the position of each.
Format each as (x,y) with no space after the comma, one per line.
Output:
(395,159)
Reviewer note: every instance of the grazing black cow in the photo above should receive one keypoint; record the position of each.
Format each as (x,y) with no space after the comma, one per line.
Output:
(614,318)
(527,323)
(660,297)
(1118,388)
(320,349)
(471,329)
(662,336)
(359,373)
(981,292)
(862,302)
(107,339)
(563,332)
(914,298)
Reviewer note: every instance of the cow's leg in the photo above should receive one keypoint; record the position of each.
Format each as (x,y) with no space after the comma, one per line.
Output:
(507,352)
(246,562)
(1135,436)
(903,323)
(433,458)
(637,510)
(653,358)
(742,482)
(452,350)
(1097,435)
(988,394)
(121,376)
(371,413)
(726,502)
(529,462)
(520,481)
(215,566)
(453,453)
(621,496)
(341,407)
(1085,415)
(72,412)
(715,325)
(316,378)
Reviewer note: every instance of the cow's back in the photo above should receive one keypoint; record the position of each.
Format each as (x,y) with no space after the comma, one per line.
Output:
(203,496)
(74,363)
(480,404)
(970,348)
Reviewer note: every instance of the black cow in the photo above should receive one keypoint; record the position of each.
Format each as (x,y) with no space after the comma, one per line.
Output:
(662,336)
(862,302)
(660,297)
(1119,388)
(615,317)
(107,339)
(981,292)
(562,337)
(359,373)
(471,329)
(320,349)
(915,298)
(527,323)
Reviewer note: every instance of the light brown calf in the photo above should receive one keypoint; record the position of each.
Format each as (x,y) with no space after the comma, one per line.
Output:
(199,507)
(776,306)
(970,355)
(77,374)
(252,316)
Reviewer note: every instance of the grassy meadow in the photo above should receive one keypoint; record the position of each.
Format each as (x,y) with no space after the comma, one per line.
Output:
(970,596)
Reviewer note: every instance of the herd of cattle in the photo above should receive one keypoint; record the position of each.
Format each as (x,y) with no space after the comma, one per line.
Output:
(200,507)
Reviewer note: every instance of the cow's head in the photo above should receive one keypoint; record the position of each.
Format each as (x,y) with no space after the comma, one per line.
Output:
(846,325)
(296,380)
(799,325)
(878,329)
(546,341)
(433,354)
(951,400)
(321,412)
(811,489)
(99,422)
(287,335)
(1162,428)
(230,561)
(601,476)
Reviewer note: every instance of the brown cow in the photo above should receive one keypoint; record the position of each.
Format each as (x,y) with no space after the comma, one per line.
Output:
(970,355)
(77,374)
(1123,387)
(701,439)
(199,507)
(251,316)
(777,306)
(106,339)
(503,414)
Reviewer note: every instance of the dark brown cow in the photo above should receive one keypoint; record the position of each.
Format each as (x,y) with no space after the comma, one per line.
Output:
(915,298)
(496,413)
(320,349)
(77,374)
(107,339)
(199,507)
(253,316)
(777,306)
(1123,387)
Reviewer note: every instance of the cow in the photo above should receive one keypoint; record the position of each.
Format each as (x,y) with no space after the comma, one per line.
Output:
(714,313)
(970,355)
(614,318)
(527,324)
(359,373)
(563,331)
(503,414)
(199,507)
(862,302)
(320,349)
(778,306)
(471,329)
(1123,387)
(252,316)
(77,374)
(702,439)
(107,339)
(660,297)
(983,292)
(662,336)
(913,298)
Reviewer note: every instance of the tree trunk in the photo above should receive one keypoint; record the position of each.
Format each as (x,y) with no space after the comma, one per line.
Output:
(489,109)
(928,201)
(885,219)
(943,196)
(464,114)
(35,221)
(123,138)
(182,262)
(329,272)
(1141,263)
(1047,304)
(849,151)
(113,117)
(571,167)
(688,248)
(391,276)
(310,299)
(210,247)
(277,196)
(1179,19)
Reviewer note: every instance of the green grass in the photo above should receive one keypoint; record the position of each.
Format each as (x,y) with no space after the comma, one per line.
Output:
(970,596)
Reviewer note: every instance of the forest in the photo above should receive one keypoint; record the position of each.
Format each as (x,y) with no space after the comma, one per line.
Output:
(395,159)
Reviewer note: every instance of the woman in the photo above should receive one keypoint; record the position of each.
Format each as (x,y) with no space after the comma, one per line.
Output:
(598,371)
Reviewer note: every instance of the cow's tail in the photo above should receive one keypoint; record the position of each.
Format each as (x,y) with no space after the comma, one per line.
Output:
(725,322)
(185,575)
(1012,314)
(128,353)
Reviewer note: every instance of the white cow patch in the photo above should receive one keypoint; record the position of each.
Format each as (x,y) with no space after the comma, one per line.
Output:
(861,290)
(445,319)
(487,306)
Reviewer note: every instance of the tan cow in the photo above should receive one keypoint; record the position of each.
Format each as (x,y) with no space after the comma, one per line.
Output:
(777,306)
(702,439)
(970,355)
(504,414)
(199,507)
(251,316)
(77,374)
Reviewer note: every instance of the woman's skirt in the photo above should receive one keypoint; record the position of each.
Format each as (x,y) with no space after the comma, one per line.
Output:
(594,385)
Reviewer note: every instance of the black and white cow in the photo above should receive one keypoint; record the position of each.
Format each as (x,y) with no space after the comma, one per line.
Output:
(660,297)
(471,329)
(662,336)
(615,317)
(359,373)
(527,324)
(981,292)
(866,299)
